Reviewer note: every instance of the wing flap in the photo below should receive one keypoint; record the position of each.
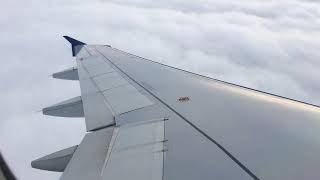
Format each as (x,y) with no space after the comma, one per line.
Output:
(137,152)
(88,159)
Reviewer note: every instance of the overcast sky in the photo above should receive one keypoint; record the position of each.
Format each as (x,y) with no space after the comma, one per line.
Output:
(272,46)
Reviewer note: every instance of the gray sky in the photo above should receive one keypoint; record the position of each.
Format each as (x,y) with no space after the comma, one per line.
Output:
(271,46)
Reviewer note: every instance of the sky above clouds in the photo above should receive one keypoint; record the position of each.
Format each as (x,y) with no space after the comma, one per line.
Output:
(271,46)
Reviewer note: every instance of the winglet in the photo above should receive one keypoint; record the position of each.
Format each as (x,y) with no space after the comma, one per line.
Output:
(75,44)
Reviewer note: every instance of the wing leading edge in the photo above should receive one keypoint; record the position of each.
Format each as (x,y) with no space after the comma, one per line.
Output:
(153,121)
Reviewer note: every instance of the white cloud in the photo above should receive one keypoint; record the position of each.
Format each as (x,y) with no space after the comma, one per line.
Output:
(267,45)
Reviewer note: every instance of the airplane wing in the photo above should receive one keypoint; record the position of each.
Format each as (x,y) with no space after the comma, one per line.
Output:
(149,121)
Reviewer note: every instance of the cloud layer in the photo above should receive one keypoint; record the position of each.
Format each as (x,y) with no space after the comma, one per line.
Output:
(271,46)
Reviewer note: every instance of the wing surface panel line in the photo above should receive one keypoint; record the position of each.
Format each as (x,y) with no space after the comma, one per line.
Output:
(110,147)
(102,74)
(113,111)
(242,166)
(164,146)
(119,86)
(102,127)
(95,84)
(145,122)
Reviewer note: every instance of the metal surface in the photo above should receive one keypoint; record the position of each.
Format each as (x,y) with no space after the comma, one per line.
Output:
(155,111)
(68,74)
(187,154)
(109,81)
(68,108)
(88,159)
(97,114)
(96,109)
(56,161)
(192,156)
(95,65)
(120,96)
(126,98)
(170,124)
(137,152)
(274,137)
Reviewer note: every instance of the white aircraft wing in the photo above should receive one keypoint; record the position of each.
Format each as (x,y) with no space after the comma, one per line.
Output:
(150,121)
